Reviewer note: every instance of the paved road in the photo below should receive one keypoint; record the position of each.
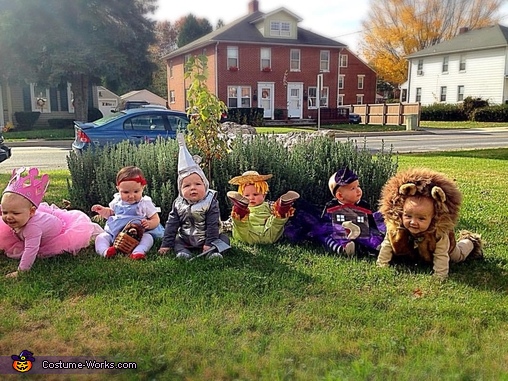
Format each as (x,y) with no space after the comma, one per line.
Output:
(428,140)
(53,154)
(48,158)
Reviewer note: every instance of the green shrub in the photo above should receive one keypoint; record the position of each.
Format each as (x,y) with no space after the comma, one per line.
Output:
(471,104)
(94,114)
(25,120)
(305,168)
(60,123)
(498,113)
(443,112)
(252,116)
(93,173)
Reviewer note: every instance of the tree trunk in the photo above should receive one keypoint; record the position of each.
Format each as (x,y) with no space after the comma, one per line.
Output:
(79,87)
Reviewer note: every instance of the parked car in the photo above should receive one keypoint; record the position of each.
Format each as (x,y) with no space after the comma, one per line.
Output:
(5,152)
(354,118)
(136,125)
(127,105)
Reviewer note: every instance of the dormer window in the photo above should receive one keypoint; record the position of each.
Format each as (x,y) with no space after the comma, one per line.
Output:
(280,28)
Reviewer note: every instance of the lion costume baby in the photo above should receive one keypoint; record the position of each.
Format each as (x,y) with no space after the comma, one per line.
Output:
(437,243)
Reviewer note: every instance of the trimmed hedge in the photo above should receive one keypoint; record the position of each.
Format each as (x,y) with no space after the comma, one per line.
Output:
(305,168)
(25,120)
(253,116)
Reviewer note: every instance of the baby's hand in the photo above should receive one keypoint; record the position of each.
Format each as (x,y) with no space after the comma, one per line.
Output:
(164,250)
(97,208)
(206,247)
(14,274)
(145,223)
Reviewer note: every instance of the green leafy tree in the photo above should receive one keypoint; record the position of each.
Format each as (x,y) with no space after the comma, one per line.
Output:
(396,28)
(192,28)
(78,41)
(166,35)
(205,111)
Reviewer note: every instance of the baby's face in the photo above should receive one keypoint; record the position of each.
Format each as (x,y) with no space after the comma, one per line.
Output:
(350,193)
(130,191)
(16,210)
(193,188)
(417,214)
(255,198)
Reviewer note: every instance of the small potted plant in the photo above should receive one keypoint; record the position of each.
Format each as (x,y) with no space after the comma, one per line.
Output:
(233,68)
(267,69)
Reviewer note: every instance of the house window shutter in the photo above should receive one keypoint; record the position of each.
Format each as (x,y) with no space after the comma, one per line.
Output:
(64,101)
(53,98)
(27,102)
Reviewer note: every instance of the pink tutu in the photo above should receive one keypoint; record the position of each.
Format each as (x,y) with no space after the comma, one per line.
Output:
(62,231)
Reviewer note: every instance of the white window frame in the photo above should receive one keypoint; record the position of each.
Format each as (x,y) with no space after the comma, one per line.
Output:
(446,64)
(265,58)
(462,63)
(242,95)
(172,96)
(340,100)
(294,62)
(323,100)
(442,94)
(342,80)
(359,99)
(280,28)
(343,60)
(420,65)
(232,57)
(324,61)
(361,81)
(460,93)
(418,94)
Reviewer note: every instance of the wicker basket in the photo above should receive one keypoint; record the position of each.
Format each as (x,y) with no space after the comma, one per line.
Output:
(129,238)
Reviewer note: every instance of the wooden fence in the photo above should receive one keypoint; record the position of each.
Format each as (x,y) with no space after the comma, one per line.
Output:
(394,114)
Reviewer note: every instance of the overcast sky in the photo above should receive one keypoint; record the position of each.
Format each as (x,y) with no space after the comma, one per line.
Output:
(337,19)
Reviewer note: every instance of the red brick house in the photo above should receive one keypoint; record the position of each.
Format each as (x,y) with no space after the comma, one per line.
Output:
(266,60)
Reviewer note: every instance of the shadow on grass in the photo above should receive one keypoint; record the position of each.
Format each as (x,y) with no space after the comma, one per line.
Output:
(244,270)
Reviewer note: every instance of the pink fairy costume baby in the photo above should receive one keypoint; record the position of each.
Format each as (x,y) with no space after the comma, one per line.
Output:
(49,231)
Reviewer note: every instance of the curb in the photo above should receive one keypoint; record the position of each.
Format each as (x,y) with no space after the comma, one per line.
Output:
(39,143)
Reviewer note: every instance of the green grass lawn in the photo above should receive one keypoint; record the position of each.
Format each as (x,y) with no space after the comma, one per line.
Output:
(279,312)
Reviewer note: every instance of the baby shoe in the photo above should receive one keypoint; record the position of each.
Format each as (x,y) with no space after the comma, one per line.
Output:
(289,197)
(214,256)
(349,249)
(110,252)
(240,205)
(137,256)
(477,241)
(238,200)
(183,255)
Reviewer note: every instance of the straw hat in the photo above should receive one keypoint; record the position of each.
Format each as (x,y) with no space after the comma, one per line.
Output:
(249,177)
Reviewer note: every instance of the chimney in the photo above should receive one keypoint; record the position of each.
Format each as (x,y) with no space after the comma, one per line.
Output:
(253,6)
(463,29)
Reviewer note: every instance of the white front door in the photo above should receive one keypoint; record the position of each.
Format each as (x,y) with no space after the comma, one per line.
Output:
(266,91)
(295,99)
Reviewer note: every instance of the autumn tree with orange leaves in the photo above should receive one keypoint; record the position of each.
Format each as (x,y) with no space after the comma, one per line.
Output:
(396,28)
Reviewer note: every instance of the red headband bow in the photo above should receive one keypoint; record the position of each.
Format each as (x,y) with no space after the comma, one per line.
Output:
(138,179)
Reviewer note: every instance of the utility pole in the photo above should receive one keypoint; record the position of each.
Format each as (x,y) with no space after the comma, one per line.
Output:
(319,89)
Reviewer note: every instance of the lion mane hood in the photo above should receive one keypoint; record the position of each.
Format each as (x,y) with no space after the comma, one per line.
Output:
(425,182)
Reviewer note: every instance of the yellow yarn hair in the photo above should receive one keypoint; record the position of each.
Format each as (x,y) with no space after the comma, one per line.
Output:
(261,187)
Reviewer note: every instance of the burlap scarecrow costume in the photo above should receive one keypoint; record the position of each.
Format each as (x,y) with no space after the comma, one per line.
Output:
(258,221)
